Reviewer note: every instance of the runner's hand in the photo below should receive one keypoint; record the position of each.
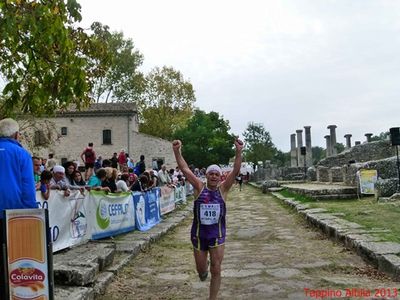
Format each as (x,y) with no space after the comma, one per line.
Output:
(176,144)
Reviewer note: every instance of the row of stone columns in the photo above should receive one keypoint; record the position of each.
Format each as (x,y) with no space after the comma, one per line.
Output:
(297,159)
(331,140)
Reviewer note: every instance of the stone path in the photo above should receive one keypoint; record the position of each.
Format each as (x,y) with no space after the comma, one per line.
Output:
(270,253)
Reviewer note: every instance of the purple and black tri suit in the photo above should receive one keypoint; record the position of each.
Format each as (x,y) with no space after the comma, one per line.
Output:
(208,228)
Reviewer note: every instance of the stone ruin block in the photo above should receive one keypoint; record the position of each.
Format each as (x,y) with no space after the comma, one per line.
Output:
(336,174)
(386,187)
(311,174)
(323,174)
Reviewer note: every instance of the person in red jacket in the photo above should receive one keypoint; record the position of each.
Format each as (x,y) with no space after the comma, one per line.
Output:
(88,156)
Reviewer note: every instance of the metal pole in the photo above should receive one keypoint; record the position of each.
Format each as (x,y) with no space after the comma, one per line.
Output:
(398,169)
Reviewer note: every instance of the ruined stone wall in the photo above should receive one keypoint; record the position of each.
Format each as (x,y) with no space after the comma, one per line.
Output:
(360,153)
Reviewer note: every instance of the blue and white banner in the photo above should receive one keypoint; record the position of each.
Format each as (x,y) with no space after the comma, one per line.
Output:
(147,209)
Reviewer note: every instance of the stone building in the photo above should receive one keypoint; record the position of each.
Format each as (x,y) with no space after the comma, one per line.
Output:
(110,126)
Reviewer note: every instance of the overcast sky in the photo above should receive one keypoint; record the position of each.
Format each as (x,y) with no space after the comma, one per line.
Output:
(283,63)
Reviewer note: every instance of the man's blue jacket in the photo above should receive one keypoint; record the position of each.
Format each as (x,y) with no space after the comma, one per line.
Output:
(17,186)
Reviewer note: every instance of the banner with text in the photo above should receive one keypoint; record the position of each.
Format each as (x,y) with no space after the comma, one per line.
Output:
(68,218)
(167,200)
(111,214)
(147,209)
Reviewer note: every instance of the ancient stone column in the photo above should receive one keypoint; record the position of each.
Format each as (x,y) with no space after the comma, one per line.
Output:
(348,140)
(307,136)
(357,143)
(332,132)
(368,136)
(300,161)
(328,145)
(293,150)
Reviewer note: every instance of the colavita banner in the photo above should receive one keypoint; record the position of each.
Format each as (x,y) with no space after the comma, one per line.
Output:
(29,253)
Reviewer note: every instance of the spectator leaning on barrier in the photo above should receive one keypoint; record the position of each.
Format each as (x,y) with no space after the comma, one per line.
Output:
(17,185)
(37,162)
(96,180)
(45,178)
(163,176)
(59,182)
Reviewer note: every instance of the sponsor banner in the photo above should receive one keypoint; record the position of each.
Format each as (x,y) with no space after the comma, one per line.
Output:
(147,209)
(68,218)
(28,254)
(368,179)
(180,194)
(167,200)
(110,214)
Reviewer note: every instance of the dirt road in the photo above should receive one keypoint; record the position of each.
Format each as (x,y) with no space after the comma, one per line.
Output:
(270,253)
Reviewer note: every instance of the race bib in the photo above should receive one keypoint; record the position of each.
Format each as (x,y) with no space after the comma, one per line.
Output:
(209,214)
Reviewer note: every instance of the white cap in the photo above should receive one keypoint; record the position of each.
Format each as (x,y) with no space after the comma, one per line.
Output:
(214,168)
(58,169)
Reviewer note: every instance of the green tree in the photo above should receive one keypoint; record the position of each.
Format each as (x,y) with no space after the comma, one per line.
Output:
(318,153)
(113,65)
(167,103)
(206,139)
(381,137)
(258,144)
(41,56)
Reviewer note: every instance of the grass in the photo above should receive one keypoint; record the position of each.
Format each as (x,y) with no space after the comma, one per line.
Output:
(365,211)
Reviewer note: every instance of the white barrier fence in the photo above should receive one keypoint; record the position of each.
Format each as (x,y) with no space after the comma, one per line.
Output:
(93,215)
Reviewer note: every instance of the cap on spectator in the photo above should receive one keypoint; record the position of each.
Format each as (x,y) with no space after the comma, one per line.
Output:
(58,169)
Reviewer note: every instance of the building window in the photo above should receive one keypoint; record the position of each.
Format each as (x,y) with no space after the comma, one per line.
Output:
(107,137)
(40,138)
(64,130)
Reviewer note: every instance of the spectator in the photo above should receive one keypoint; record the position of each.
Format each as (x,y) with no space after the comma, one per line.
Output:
(17,185)
(110,180)
(43,164)
(51,162)
(96,180)
(123,183)
(122,159)
(98,163)
(140,184)
(153,179)
(163,176)
(36,171)
(114,161)
(141,166)
(59,182)
(106,163)
(45,178)
(77,178)
(130,163)
(88,156)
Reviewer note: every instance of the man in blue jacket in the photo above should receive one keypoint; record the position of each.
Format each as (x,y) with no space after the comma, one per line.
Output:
(17,185)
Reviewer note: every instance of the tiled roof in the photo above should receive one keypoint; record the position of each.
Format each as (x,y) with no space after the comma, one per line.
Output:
(115,108)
